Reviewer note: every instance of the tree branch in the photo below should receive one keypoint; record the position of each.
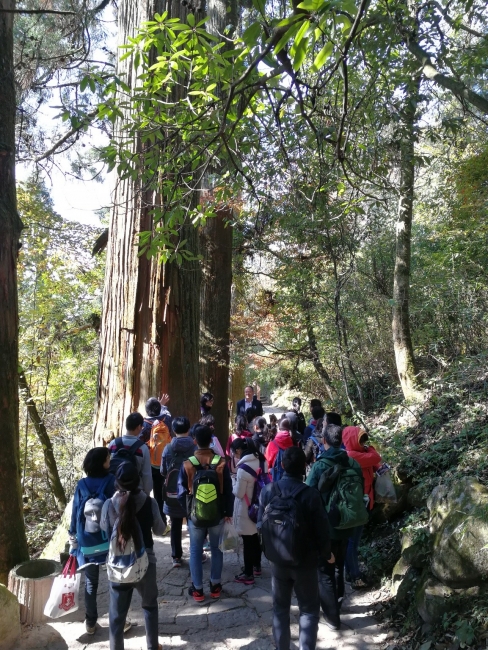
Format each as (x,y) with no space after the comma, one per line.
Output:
(66,136)
(458,88)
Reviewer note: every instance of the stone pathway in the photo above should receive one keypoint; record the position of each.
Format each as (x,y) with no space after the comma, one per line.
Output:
(240,620)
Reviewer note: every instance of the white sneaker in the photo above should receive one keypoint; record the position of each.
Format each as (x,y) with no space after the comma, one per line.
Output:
(90,629)
(127,625)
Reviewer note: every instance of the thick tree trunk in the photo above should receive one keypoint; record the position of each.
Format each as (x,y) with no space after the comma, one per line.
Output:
(47,448)
(150,320)
(216,247)
(402,340)
(13,544)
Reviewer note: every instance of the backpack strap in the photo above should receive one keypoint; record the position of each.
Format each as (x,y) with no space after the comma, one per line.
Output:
(249,470)
(215,460)
(194,461)
(119,443)
(135,447)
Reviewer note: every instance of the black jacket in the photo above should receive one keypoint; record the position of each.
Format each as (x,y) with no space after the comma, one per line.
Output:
(316,547)
(256,405)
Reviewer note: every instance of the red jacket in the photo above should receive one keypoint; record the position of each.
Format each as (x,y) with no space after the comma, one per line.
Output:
(282,440)
(368,458)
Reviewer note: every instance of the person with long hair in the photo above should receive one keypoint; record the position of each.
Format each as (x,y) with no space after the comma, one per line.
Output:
(241,430)
(136,516)
(248,458)
(206,403)
(101,483)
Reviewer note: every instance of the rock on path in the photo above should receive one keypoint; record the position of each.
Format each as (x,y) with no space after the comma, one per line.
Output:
(240,620)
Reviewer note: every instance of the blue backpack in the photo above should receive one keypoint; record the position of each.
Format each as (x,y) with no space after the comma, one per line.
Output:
(277,469)
(93,542)
(319,446)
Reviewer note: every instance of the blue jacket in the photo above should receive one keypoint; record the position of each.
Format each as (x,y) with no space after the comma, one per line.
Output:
(182,446)
(93,485)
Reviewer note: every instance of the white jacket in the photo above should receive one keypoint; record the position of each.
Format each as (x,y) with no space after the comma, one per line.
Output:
(244,485)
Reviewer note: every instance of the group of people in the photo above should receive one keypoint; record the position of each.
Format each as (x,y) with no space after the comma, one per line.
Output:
(256,484)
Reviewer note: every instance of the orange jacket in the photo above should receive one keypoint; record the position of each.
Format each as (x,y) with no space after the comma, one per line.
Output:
(368,458)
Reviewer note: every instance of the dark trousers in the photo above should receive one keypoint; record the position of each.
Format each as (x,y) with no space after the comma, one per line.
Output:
(331,582)
(91,587)
(158,484)
(176,527)
(352,555)
(304,582)
(252,553)
(120,598)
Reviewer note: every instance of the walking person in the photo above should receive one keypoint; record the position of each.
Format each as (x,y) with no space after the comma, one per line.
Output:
(249,463)
(334,463)
(130,448)
(355,442)
(295,550)
(205,492)
(131,516)
(87,542)
(276,449)
(174,455)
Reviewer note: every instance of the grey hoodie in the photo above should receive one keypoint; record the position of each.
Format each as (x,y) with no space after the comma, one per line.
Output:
(110,512)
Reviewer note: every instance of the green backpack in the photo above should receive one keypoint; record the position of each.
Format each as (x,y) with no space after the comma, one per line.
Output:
(342,490)
(205,505)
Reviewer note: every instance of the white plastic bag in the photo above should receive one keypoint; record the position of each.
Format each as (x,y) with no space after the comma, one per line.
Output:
(384,490)
(229,538)
(63,598)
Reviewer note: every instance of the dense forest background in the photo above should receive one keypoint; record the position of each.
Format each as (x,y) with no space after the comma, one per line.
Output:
(300,200)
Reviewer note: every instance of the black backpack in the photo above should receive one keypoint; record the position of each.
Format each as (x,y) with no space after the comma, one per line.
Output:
(171,482)
(282,527)
(123,455)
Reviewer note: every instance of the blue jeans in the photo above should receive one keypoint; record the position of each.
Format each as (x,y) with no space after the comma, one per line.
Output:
(120,597)
(352,554)
(197,537)
(91,587)
(304,581)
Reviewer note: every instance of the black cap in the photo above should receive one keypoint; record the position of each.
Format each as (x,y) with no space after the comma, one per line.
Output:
(127,477)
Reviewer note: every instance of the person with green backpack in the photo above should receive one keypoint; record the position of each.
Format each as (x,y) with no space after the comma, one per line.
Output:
(205,493)
(340,482)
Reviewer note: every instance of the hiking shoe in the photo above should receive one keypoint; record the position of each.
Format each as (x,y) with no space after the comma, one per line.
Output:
(206,545)
(197,594)
(244,579)
(177,562)
(257,571)
(90,629)
(167,530)
(127,625)
(204,558)
(215,590)
(358,584)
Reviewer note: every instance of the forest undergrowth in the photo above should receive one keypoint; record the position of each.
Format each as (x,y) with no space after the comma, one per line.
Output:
(440,442)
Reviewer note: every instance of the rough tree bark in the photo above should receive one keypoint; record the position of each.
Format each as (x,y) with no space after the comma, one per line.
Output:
(13,544)
(47,447)
(402,340)
(216,247)
(151,314)
(216,292)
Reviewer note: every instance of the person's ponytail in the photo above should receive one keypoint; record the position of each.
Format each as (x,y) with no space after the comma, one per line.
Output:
(127,484)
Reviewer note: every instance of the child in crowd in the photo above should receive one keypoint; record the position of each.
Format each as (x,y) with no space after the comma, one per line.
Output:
(128,507)
(248,458)
(180,449)
(209,421)
(85,522)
